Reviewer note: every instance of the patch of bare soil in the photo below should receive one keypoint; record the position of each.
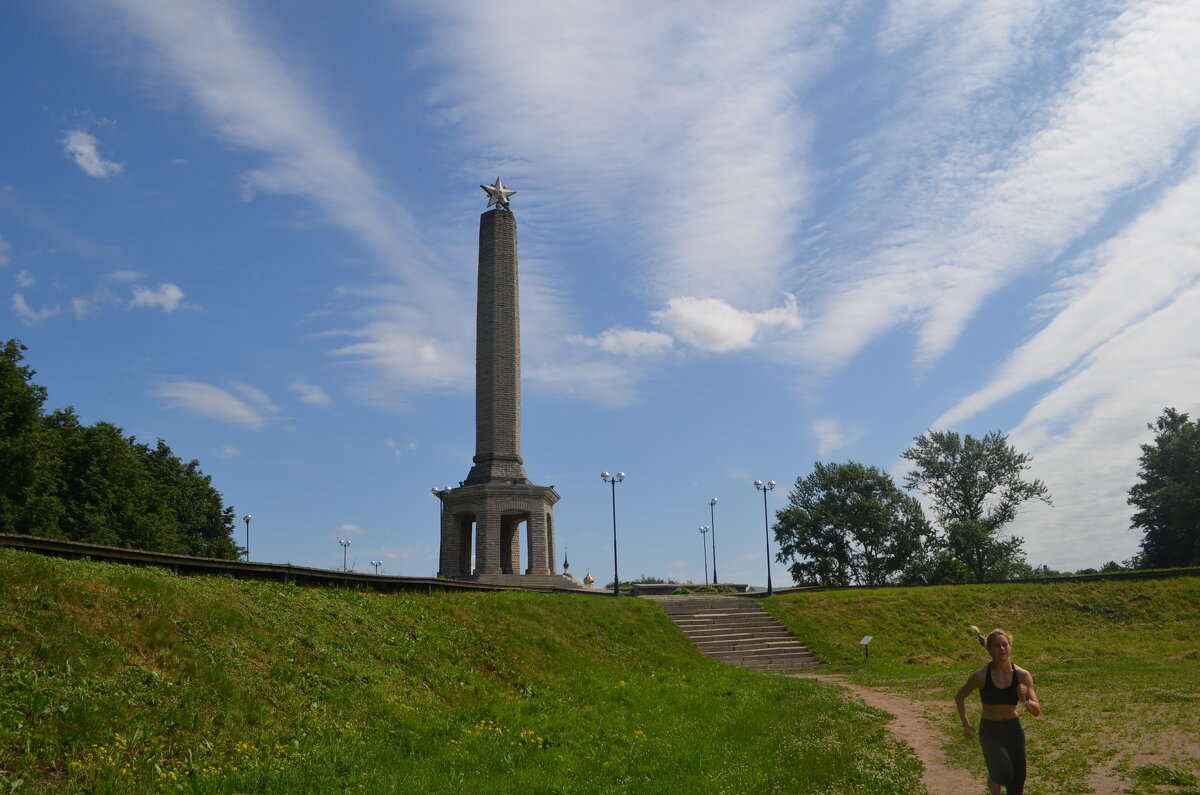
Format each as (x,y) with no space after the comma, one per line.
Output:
(910,726)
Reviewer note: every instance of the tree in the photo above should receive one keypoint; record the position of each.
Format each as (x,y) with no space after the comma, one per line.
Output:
(1168,494)
(26,504)
(976,487)
(849,524)
(204,524)
(107,494)
(62,479)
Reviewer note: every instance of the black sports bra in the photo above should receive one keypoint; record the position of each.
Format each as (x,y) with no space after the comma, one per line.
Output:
(990,694)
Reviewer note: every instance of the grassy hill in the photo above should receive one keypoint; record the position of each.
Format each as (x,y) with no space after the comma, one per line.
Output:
(122,679)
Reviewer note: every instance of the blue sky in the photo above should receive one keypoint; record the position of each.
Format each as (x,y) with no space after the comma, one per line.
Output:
(753,236)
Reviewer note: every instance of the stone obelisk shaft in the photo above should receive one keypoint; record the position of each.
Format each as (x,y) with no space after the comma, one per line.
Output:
(497,355)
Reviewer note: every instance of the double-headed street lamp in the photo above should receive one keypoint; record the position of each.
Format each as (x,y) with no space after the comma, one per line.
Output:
(712,514)
(377,564)
(345,548)
(614,480)
(247,519)
(704,545)
(770,484)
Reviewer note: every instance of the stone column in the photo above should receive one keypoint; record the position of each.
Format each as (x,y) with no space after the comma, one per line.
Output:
(497,355)
(487,541)
(448,559)
(538,546)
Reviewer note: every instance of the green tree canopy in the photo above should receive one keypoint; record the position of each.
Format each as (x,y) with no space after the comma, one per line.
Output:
(976,487)
(26,465)
(1167,495)
(63,479)
(849,524)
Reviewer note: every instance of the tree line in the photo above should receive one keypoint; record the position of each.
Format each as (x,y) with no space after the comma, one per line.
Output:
(91,483)
(850,524)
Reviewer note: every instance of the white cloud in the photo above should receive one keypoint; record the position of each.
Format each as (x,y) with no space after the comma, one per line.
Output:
(4,249)
(83,147)
(167,298)
(206,400)
(229,451)
(832,435)
(350,529)
(85,306)
(27,314)
(628,342)
(24,279)
(125,276)
(712,324)
(311,393)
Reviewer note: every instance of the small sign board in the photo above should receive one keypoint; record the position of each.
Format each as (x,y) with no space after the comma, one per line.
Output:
(866,639)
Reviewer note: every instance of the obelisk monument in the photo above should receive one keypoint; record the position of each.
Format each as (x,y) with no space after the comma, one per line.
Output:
(497,498)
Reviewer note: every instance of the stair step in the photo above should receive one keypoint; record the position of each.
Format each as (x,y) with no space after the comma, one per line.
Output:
(738,632)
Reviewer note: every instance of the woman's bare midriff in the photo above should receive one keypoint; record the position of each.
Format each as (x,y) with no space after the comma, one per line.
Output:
(999,711)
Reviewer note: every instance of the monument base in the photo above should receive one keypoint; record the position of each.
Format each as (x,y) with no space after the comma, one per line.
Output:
(525,580)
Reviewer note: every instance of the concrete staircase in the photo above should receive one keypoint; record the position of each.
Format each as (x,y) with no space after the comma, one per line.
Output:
(737,631)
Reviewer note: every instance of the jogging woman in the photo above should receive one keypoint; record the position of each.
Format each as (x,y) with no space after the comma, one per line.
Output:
(1002,686)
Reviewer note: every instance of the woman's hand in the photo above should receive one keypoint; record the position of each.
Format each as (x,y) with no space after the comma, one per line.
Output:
(968,731)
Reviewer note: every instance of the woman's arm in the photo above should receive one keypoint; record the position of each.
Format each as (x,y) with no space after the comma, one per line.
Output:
(1027,694)
(974,682)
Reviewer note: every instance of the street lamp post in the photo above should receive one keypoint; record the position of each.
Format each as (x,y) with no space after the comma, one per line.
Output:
(345,548)
(704,545)
(377,564)
(712,514)
(614,480)
(770,484)
(247,519)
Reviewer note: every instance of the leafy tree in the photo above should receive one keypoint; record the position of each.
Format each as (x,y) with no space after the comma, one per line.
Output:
(849,524)
(1168,494)
(60,478)
(106,491)
(976,487)
(26,506)
(204,524)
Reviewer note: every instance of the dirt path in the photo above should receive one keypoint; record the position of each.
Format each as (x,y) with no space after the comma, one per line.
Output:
(909,725)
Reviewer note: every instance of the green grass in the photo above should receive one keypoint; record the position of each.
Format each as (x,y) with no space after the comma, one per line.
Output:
(1116,664)
(121,679)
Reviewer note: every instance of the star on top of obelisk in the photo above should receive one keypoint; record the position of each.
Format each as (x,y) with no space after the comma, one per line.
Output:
(498,194)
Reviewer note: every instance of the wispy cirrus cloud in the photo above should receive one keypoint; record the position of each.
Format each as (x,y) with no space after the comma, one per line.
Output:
(833,435)
(628,342)
(1119,122)
(242,404)
(683,126)
(1084,433)
(1113,289)
(84,149)
(312,394)
(247,94)
(29,315)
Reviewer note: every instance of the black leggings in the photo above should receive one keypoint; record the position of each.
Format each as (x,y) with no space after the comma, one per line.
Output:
(1003,744)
